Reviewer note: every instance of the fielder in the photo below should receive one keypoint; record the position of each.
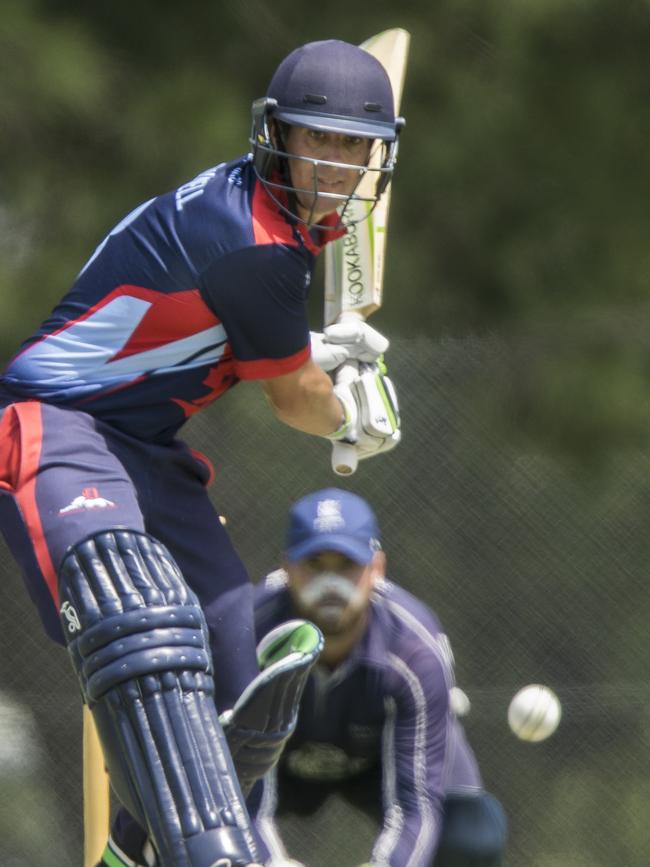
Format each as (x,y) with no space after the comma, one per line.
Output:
(375,722)
(106,510)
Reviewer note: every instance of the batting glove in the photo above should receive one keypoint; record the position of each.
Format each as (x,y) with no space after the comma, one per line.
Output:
(353,339)
(326,355)
(372,421)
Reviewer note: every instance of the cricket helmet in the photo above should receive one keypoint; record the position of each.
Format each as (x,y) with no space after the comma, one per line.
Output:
(334,87)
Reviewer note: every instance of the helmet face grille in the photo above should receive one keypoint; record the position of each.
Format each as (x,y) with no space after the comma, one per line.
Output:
(334,87)
(337,87)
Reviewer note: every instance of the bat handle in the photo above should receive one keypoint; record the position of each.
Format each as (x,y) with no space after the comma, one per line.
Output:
(344,459)
(96,797)
(344,455)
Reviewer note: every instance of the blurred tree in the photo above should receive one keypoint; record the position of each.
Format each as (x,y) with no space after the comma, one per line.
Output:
(520,201)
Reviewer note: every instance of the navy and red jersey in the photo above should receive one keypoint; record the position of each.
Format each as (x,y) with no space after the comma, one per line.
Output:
(387,706)
(193,291)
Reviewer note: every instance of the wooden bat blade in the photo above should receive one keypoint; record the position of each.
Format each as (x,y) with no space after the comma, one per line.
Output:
(354,264)
(96,799)
(391,48)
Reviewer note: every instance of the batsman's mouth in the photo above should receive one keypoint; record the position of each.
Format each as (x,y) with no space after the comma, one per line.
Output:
(329,186)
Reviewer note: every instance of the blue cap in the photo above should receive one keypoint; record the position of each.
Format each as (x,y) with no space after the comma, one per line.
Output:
(332,520)
(334,86)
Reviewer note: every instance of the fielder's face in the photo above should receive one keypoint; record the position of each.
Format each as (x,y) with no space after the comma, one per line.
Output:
(331,590)
(311,174)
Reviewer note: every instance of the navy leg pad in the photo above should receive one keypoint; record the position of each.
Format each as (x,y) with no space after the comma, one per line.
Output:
(138,640)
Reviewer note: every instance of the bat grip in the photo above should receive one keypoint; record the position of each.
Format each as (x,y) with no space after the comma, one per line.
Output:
(344,455)
(344,459)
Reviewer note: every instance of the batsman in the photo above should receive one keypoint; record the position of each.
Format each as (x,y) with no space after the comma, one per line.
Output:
(106,509)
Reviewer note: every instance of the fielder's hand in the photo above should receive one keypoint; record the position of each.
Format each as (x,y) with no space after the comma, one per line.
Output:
(372,414)
(353,340)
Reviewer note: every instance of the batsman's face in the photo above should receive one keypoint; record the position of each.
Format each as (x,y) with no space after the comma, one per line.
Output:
(331,590)
(312,175)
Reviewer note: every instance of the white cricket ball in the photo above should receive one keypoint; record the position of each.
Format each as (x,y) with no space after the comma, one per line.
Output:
(459,701)
(534,713)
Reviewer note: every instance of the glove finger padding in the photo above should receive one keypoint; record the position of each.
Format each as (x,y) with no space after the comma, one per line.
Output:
(376,399)
(363,342)
(327,356)
(368,444)
(265,714)
(372,412)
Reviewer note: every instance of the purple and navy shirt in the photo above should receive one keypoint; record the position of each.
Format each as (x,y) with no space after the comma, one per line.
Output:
(387,705)
(191,292)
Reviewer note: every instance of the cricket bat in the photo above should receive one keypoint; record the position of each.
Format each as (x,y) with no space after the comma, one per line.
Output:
(96,799)
(354,264)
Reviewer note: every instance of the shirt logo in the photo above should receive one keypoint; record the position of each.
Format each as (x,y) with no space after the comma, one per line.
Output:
(89,499)
(194,188)
(235,177)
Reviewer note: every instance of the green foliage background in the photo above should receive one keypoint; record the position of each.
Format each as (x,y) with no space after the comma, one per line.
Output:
(518,301)
(520,205)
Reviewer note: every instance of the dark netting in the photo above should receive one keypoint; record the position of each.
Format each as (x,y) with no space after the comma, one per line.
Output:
(538,574)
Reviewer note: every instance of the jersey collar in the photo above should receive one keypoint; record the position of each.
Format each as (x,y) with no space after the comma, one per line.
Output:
(269,215)
(316,239)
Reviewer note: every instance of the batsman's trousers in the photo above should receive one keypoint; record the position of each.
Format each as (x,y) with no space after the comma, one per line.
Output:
(65,476)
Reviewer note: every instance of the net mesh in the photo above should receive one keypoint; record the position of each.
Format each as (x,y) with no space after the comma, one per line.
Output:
(537,573)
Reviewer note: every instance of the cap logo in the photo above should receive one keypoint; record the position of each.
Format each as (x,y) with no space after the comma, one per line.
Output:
(314,98)
(372,106)
(328,516)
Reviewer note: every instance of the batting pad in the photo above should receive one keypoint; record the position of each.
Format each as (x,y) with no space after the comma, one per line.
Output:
(138,640)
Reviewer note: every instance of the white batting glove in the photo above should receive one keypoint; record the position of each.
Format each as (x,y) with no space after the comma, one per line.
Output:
(327,356)
(372,413)
(363,342)
(353,339)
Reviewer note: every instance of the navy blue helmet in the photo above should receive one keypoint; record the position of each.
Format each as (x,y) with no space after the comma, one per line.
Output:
(330,86)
